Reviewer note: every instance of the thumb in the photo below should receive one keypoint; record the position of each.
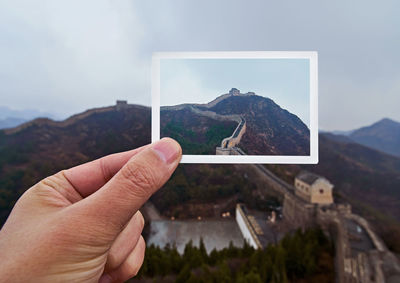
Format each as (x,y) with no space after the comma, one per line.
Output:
(118,200)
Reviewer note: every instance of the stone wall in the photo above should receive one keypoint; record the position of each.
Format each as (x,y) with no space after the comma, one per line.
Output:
(378,243)
(376,265)
(209,104)
(299,213)
(236,136)
(245,228)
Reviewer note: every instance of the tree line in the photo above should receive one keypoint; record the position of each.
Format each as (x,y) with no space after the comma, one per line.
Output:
(302,256)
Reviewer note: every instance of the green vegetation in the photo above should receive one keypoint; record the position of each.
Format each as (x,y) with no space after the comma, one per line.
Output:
(208,184)
(300,257)
(197,143)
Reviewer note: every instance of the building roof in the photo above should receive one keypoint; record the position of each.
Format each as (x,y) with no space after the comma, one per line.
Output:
(308,177)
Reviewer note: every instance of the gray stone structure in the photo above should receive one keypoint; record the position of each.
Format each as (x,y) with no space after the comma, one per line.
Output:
(360,255)
(121,104)
(233,140)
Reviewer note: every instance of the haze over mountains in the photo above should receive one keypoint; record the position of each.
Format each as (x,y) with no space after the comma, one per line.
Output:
(368,178)
(10,118)
(383,135)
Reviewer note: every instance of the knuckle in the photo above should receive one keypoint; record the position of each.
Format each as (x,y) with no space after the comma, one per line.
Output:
(141,178)
(105,170)
(46,187)
(141,220)
(50,181)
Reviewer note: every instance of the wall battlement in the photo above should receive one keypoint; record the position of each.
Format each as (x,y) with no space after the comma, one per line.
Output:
(354,263)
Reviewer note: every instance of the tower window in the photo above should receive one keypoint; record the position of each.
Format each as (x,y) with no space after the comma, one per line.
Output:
(321,191)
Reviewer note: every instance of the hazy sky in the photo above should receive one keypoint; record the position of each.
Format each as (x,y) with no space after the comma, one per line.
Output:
(286,81)
(67,56)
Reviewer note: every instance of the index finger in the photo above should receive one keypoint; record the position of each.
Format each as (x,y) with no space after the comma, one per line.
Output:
(89,177)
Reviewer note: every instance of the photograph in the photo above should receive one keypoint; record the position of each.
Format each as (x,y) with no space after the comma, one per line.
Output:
(237,107)
(204,141)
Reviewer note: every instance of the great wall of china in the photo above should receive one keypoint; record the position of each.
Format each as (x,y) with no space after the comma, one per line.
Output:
(353,262)
(120,105)
(360,255)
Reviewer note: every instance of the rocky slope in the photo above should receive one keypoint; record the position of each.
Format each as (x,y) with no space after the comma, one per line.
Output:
(270,130)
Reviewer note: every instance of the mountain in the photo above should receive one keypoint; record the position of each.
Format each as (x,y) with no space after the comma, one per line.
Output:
(342,133)
(42,147)
(270,130)
(11,122)
(25,114)
(11,118)
(383,135)
(367,178)
(337,137)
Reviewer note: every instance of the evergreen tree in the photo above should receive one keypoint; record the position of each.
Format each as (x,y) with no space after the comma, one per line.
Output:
(213,257)
(203,250)
(223,274)
(251,277)
(184,275)
(299,256)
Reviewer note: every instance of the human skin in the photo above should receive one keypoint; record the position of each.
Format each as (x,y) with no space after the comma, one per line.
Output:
(83,224)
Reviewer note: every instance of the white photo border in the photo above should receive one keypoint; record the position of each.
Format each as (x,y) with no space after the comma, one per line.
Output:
(244,159)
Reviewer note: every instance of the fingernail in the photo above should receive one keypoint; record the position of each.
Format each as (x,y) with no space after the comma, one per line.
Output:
(167,149)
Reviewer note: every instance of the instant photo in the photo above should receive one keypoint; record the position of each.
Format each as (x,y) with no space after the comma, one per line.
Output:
(237,107)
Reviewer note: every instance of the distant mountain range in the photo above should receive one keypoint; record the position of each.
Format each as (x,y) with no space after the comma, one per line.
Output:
(11,122)
(10,118)
(383,135)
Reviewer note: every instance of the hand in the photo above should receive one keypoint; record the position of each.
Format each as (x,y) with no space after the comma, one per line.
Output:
(83,224)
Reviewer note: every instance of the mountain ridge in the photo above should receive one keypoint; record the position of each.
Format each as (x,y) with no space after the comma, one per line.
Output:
(359,173)
(383,135)
(270,129)
(232,92)
(68,121)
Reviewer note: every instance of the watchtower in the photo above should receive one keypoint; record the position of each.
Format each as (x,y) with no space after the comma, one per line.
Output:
(121,104)
(313,188)
(234,91)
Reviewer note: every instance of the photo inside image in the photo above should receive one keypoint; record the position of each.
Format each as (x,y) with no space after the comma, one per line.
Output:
(252,106)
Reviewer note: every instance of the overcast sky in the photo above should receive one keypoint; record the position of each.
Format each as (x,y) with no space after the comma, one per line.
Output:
(67,56)
(286,81)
